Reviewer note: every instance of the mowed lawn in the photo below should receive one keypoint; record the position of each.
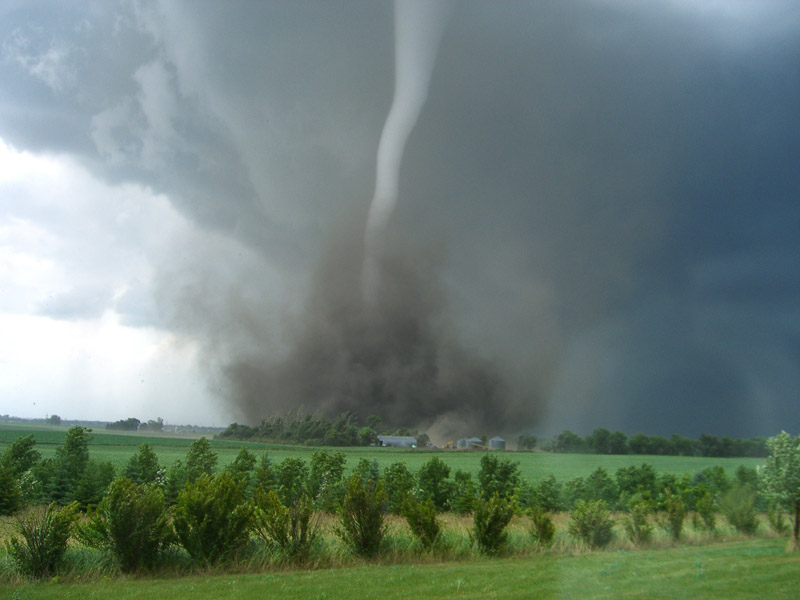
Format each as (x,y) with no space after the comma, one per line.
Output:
(118,447)
(735,570)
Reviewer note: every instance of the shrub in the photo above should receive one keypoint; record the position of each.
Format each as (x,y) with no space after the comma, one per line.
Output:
(489,523)
(291,477)
(361,516)
(421,519)
(325,483)
(132,523)
(293,529)
(599,485)
(464,493)
(674,514)
(10,494)
(707,511)
(637,523)
(20,455)
(497,476)
(738,507)
(242,466)
(93,483)
(143,466)
(591,523)
(211,519)
(45,533)
(434,483)
(548,493)
(398,482)
(200,459)
(777,519)
(542,529)
(265,478)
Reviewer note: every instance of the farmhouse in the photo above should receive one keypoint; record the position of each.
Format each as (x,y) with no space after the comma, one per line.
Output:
(397,441)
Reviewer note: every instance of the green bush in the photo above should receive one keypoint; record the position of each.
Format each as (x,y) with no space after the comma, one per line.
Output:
(132,523)
(45,533)
(291,478)
(93,483)
(361,516)
(777,519)
(325,481)
(542,529)
(707,511)
(637,523)
(421,519)
(293,529)
(674,514)
(498,476)
(211,520)
(143,466)
(200,459)
(489,522)
(434,483)
(398,482)
(548,493)
(738,507)
(464,493)
(10,494)
(591,523)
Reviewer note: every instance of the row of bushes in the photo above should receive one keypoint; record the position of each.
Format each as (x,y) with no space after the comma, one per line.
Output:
(71,476)
(213,523)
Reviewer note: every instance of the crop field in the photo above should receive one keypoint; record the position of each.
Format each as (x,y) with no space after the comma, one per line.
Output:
(758,568)
(118,447)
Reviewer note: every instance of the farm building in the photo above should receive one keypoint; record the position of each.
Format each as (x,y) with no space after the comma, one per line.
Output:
(398,441)
(470,443)
(497,443)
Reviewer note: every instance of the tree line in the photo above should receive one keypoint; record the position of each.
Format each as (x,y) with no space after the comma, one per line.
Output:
(603,441)
(298,427)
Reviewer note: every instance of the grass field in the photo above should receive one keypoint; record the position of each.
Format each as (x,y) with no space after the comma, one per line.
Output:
(118,447)
(735,570)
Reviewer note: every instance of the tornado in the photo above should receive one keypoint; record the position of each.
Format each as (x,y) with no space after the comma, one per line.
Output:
(419,25)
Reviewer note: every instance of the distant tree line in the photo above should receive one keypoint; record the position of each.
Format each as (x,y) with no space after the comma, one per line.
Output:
(602,441)
(298,427)
(134,424)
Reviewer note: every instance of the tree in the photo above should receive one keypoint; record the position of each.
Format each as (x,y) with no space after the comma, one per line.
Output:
(200,459)
(567,441)
(20,455)
(498,476)
(143,466)
(781,476)
(526,442)
(600,441)
(434,483)
(54,420)
(399,485)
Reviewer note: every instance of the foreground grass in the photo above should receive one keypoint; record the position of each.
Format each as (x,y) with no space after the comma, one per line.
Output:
(118,447)
(744,569)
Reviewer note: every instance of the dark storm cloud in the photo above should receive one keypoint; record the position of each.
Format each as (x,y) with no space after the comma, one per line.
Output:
(610,190)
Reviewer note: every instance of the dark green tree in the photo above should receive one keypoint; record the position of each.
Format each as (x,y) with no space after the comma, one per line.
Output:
(434,483)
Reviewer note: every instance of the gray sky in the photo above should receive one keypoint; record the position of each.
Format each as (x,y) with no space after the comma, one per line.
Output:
(607,191)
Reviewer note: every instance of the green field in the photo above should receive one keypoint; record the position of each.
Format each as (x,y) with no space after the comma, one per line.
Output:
(746,569)
(118,447)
